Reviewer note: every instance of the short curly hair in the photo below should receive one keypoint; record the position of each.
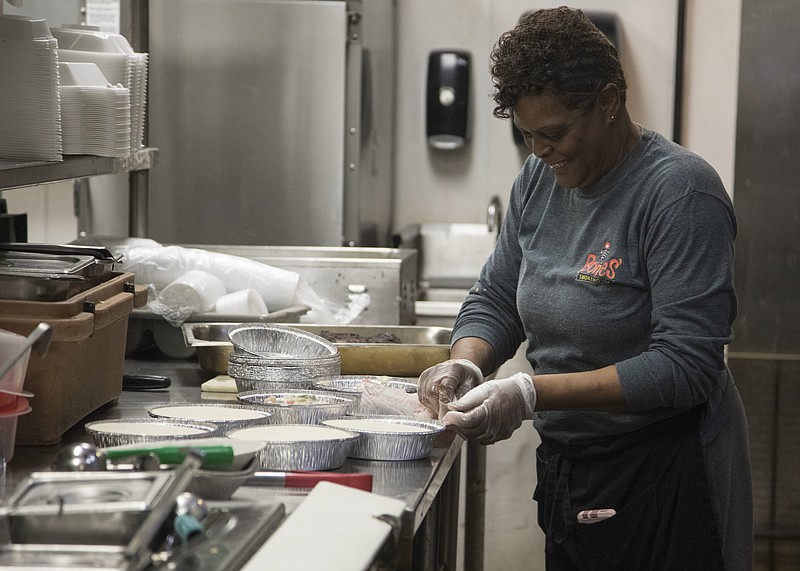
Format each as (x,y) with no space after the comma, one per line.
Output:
(559,51)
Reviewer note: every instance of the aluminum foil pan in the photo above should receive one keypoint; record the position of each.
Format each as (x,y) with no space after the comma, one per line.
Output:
(299,446)
(246,359)
(385,437)
(225,416)
(248,372)
(353,385)
(322,405)
(249,385)
(134,430)
(279,343)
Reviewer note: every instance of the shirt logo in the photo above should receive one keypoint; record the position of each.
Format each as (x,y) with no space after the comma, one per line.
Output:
(600,269)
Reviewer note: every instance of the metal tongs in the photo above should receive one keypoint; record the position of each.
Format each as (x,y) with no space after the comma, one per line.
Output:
(38,339)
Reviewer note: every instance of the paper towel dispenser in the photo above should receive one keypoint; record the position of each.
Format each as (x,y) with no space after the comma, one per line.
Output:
(447,98)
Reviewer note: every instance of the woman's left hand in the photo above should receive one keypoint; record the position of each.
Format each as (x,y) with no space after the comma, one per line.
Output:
(493,410)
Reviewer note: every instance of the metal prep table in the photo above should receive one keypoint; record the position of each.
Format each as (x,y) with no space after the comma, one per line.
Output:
(429,487)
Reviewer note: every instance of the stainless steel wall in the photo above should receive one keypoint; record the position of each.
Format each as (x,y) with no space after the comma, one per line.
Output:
(277,116)
(765,353)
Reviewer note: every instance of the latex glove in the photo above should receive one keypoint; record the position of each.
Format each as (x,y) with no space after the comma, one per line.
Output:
(493,410)
(443,383)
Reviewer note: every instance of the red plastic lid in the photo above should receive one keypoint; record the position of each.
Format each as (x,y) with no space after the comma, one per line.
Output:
(18,407)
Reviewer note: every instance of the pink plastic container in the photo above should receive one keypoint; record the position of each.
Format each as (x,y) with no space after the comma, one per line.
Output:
(13,403)
(8,425)
(9,345)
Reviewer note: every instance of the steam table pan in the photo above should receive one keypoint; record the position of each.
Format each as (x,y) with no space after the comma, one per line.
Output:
(419,347)
(30,276)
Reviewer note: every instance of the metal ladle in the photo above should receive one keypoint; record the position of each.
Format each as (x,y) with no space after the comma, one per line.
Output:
(38,339)
(81,457)
(84,457)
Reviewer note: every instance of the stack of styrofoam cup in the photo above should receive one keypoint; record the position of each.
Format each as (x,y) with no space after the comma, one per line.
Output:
(195,289)
(242,302)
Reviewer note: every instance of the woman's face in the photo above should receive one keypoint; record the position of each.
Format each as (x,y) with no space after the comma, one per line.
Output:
(577,147)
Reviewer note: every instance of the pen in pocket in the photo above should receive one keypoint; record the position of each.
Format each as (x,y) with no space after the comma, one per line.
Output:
(593,516)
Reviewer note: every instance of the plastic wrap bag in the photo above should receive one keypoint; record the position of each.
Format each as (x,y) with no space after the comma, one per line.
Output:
(163,265)
(378,398)
(153,263)
(325,312)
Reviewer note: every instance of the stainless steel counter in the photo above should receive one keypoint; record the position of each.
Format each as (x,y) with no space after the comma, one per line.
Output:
(429,487)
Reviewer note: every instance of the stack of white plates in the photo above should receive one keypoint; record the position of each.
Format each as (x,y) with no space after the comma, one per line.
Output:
(138,88)
(95,115)
(113,54)
(30,126)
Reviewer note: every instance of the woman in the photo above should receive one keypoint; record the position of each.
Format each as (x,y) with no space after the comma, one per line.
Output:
(615,263)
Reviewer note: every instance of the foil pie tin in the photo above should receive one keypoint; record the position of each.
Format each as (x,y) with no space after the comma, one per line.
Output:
(120,431)
(353,386)
(299,446)
(324,406)
(386,437)
(280,344)
(225,416)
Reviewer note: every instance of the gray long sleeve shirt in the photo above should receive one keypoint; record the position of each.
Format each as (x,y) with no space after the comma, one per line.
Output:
(636,271)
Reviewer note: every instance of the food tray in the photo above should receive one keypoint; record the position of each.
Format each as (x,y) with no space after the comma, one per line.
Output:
(385,437)
(226,416)
(83,507)
(324,406)
(105,434)
(299,446)
(420,347)
(353,385)
(31,276)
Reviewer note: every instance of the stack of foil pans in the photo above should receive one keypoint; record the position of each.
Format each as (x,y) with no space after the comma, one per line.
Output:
(271,357)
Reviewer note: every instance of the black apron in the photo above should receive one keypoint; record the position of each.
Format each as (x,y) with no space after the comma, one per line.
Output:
(655,480)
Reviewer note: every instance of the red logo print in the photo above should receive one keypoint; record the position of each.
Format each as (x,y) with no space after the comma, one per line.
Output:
(600,268)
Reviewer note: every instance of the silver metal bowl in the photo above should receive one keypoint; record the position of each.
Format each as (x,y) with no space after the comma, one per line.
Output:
(279,343)
(226,416)
(385,437)
(221,484)
(353,385)
(120,431)
(299,446)
(324,405)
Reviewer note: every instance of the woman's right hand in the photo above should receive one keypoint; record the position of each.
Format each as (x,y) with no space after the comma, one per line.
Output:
(443,383)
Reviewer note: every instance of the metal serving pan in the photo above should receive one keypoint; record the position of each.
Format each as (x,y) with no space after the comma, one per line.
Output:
(419,347)
(36,276)
(82,507)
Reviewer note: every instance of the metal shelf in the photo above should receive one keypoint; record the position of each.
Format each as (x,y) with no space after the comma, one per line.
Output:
(19,174)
